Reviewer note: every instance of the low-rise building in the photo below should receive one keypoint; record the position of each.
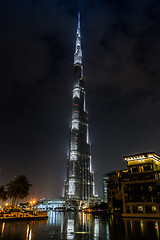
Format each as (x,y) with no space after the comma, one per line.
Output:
(48,204)
(136,191)
(112,184)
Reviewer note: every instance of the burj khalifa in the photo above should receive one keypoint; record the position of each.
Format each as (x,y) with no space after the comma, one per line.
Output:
(79,184)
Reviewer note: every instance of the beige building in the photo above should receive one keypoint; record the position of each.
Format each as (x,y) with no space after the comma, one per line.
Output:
(136,191)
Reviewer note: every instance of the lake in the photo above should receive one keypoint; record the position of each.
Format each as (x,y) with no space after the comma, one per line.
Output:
(80,226)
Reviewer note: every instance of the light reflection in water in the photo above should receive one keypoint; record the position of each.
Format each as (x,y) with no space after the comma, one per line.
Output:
(89,222)
(62,226)
(70,229)
(142,226)
(131,224)
(29,233)
(157,228)
(96,228)
(107,231)
(85,220)
(55,218)
(78,226)
(3,225)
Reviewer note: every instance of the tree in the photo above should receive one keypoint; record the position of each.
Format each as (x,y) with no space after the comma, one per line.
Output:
(3,193)
(18,189)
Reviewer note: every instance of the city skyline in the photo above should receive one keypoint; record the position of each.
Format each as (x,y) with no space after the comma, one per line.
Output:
(121,59)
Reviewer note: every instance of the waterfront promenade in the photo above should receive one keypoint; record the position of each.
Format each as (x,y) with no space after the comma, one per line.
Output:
(22,215)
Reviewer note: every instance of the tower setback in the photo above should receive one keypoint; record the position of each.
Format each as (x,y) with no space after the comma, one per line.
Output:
(80,178)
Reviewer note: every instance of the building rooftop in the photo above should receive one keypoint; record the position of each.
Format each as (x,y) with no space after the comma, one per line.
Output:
(143,156)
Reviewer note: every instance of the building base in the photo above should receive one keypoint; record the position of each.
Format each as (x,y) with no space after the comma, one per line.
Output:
(140,215)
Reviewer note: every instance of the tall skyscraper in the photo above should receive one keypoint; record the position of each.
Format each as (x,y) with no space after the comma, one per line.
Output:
(80,178)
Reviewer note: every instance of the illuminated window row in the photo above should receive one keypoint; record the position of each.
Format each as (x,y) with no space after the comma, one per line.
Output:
(76,93)
(73,157)
(75,124)
(71,187)
(74,147)
(75,114)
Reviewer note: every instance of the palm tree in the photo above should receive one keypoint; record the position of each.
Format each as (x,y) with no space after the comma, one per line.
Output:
(11,192)
(3,193)
(18,189)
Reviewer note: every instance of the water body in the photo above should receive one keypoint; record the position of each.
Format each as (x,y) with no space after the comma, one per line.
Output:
(80,226)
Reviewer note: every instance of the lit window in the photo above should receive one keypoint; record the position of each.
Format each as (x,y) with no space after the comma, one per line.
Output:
(74,145)
(75,124)
(140,208)
(75,114)
(76,93)
(71,187)
(73,157)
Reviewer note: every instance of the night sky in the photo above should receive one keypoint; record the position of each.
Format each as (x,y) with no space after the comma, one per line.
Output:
(121,58)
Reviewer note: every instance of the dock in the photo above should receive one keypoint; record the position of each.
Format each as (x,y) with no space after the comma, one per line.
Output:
(19,215)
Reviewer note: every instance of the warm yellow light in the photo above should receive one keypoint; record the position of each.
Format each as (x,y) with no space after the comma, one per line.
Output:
(3,228)
(6,204)
(30,234)
(27,231)
(33,201)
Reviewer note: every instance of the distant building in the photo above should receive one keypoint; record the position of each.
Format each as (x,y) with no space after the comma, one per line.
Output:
(112,185)
(105,181)
(136,191)
(51,204)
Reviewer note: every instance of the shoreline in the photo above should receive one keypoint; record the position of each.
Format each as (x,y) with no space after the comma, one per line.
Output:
(2,219)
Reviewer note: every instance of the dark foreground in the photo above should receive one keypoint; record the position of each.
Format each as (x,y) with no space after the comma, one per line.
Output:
(80,226)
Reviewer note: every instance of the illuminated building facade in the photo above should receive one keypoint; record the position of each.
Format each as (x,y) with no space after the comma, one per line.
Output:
(112,189)
(136,191)
(80,179)
(48,204)
(105,181)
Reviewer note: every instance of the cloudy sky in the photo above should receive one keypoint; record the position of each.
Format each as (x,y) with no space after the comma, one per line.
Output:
(121,52)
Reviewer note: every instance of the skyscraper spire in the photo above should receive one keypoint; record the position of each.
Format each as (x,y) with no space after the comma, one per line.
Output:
(80,178)
(78,21)
(78,50)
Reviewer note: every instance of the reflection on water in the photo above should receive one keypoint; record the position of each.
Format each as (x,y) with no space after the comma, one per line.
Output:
(70,229)
(157,228)
(2,229)
(29,233)
(96,227)
(80,226)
